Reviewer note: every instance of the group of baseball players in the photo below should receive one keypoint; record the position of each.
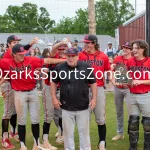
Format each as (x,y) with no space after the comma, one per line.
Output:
(67,99)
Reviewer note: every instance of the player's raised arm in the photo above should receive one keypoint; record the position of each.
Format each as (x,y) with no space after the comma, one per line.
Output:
(53,61)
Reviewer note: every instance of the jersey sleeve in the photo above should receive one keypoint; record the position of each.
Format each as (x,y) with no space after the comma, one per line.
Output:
(37,62)
(4,64)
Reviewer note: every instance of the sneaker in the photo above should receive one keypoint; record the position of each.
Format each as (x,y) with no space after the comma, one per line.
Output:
(60,140)
(56,135)
(49,146)
(102,145)
(7,144)
(40,147)
(23,148)
(118,137)
(14,136)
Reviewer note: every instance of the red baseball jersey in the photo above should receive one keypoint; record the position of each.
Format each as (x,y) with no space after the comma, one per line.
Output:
(8,53)
(22,75)
(138,68)
(99,61)
(120,60)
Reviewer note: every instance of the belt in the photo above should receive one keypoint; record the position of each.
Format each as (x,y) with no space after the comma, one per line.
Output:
(25,90)
(141,93)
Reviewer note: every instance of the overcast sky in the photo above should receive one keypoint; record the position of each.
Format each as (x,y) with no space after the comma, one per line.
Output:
(59,8)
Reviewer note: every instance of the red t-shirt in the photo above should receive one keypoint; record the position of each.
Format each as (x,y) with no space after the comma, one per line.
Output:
(99,61)
(120,60)
(141,66)
(23,81)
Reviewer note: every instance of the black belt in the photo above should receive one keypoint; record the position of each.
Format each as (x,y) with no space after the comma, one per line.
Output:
(25,90)
(141,93)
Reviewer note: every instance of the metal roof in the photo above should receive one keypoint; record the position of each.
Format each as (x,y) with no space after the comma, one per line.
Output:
(134,18)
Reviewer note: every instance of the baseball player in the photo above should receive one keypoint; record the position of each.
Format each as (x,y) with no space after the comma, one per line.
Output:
(99,61)
(47,100)
(25,92)
(122,93)
(8,95)
(139,67)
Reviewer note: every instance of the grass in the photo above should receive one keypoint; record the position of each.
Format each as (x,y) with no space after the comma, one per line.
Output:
(111,130)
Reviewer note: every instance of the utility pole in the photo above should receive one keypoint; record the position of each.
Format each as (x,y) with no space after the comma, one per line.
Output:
(148,23)
(91,14)
(135,7)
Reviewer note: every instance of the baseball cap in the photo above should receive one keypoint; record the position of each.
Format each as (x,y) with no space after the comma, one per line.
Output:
(13,38)
(109,42)
(72,51)
(63,47)
(127,45)
(90,38)
(76,41)
(19,49)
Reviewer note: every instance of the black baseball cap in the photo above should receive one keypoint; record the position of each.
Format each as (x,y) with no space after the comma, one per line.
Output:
(19,49)
(72,51)
(76,41)
(13,38)
(90,38)
(127,45)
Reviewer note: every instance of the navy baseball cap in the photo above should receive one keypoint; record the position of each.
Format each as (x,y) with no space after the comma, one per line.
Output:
(90,38)
(127,45)
(13,38)
(72,51)
(19,49)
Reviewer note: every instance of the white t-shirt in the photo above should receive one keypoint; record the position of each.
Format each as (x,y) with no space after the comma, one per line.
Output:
(110,50)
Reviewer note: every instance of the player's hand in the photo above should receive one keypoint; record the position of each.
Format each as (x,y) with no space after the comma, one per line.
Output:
(56,103)
(136,82)
(34,41)
(113,66)
(66,40)
(92,103)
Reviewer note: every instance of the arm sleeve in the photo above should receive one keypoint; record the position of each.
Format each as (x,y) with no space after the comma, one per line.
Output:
(26,47)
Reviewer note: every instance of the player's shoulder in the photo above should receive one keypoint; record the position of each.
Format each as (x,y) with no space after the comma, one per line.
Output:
(102,55)
(61,65)
(83,64)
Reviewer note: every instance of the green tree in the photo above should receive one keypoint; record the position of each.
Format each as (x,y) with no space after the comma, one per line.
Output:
(25,19)
(74,25)
(110,14)
(65,26)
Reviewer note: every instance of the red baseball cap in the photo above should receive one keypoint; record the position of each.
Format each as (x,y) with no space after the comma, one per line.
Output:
(63,47)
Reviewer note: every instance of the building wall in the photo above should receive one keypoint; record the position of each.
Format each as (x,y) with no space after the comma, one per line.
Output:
(132,31)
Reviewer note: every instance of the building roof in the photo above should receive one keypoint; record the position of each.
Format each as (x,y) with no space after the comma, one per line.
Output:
(134,18)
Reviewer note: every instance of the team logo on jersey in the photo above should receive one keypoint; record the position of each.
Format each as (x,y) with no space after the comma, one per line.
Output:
(94,62)
(139,68)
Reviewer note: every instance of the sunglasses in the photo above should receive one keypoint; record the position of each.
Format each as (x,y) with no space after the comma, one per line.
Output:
(89,42)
